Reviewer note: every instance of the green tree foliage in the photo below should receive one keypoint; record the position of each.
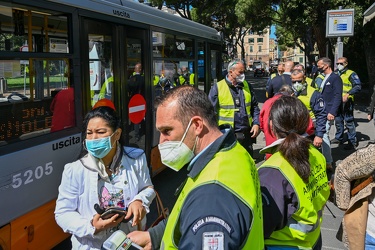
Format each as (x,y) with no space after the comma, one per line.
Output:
(299,22)
(222,16)
(305,22)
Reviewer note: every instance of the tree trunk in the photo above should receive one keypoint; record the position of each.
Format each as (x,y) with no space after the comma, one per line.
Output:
(368,44)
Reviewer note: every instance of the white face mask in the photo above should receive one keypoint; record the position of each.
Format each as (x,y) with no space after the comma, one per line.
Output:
(298,86)
(175,154)
(340,67)
(240,78)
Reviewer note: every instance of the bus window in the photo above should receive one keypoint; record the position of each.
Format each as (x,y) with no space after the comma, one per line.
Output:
(136,93)
(49,30)
(29,82)
(30,102)
(216,71)
(184,47)
(165,75)
(100,61)
(201,65)
(163,45)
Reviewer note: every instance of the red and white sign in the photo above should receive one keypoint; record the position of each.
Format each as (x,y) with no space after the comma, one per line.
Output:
(24,48)
(137,108)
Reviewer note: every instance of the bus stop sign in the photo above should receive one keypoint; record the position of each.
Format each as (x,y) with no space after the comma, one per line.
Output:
(137,108)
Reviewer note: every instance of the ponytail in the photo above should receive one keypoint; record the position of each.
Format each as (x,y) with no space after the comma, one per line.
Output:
(295,149)
(289,118)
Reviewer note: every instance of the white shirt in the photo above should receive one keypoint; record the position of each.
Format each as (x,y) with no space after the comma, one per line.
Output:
(78,193)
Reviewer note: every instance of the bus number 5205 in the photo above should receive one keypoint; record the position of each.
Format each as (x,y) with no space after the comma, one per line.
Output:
(29,175)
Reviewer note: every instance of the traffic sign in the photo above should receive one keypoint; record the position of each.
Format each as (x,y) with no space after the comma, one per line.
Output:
(24,48)
(340,23)
(137,108)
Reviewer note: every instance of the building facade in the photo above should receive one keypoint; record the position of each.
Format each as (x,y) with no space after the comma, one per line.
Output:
(257,47)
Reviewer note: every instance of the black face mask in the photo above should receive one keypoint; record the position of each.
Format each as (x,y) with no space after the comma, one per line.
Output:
(321,70)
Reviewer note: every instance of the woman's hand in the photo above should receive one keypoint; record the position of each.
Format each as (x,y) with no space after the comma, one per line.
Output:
(137,210)
(101,225)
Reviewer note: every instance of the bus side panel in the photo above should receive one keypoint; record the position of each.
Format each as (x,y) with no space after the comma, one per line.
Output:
(29,178)
(37,229)
(5,237)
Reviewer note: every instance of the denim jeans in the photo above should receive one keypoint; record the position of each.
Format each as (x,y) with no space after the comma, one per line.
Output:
(369,242)
(326,145)
(346,116)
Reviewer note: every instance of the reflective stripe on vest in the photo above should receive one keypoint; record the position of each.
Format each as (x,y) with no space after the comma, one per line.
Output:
(243,183)
(346,84)
(308,81)
(227,106)
(182,79)
(103,89)
(303,228)
(306,99)
(156,80)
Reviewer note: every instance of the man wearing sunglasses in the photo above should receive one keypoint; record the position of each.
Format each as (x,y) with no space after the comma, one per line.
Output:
(351,86)
(314,103)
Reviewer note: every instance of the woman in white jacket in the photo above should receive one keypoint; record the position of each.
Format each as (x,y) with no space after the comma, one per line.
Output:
(107,174)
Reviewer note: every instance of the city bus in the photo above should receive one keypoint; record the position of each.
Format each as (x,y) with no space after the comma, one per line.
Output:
(58,58)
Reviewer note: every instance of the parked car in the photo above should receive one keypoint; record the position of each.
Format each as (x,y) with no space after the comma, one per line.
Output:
(259,72)
(260,69)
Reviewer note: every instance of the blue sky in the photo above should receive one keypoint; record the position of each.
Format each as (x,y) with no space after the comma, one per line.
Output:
(272,33)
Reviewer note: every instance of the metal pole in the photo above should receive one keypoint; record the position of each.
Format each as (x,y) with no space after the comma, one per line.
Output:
(339,46)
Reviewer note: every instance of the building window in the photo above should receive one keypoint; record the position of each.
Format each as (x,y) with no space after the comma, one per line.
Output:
(301,60)
(260,39)
(251,40)
(251,49)
(259,48)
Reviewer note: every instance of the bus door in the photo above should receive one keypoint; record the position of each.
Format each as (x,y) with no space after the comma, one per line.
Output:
(137,68)
(100,64)
(117,70)
(209,65)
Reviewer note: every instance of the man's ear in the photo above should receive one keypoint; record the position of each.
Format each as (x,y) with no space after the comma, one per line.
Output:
(197,122)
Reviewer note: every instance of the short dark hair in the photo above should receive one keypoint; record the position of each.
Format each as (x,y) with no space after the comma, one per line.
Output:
(326,61)
(286,90)
(191,101)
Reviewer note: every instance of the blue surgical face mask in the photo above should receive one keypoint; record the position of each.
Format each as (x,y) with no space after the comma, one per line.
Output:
(99,148)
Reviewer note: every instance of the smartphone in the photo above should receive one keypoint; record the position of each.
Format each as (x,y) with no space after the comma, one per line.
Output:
(109,212)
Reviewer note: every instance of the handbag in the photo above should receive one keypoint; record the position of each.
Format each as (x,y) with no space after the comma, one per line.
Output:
(163,212)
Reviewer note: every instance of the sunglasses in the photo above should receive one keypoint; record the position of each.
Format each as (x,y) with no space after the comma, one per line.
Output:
(340,64)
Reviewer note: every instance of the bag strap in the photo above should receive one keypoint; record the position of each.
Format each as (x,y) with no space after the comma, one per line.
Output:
(160,206)
(363,184)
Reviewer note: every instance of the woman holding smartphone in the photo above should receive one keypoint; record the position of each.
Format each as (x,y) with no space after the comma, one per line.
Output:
(106,175)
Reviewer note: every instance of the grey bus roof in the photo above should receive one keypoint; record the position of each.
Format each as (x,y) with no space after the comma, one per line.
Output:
(142,13)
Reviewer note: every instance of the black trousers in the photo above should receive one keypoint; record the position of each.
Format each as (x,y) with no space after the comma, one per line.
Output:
(244,138)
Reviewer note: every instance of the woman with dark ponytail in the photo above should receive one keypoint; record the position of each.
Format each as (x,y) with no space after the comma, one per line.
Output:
(293,180)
